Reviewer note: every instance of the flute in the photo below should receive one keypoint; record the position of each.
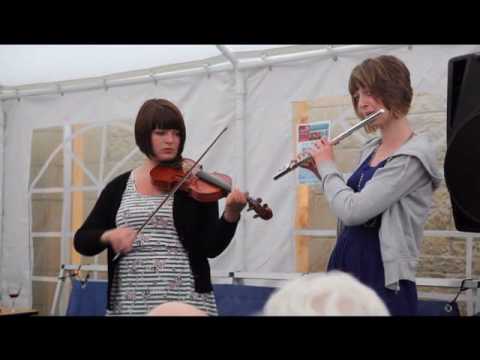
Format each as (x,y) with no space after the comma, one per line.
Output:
(296,163)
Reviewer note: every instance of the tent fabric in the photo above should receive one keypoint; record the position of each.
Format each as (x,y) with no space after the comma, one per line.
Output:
(22,65)
(209,103)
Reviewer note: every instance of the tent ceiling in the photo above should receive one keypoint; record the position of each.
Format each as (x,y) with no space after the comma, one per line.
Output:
(30,70)
(29,64)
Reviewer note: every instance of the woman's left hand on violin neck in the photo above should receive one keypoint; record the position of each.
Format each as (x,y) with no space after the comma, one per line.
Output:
(235,203)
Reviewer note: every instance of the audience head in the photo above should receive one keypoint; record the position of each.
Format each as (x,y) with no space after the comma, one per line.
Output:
(175,308)
(333,294)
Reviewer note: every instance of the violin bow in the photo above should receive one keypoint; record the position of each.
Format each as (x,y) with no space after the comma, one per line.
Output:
(176,187)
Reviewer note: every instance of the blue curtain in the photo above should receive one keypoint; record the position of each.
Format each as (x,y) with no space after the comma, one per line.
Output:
(232,300)
(89,299)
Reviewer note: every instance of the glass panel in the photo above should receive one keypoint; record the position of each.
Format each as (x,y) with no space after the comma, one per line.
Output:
(120,142)
(135,161)
(476,260)
(44,142)
(87,148)
(82,204)
(72,256)
(46,256)
(42,293)
(47,212)
(52,175)
(87,260)
(103,275)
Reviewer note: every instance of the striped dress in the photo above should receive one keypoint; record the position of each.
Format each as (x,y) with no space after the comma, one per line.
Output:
(157,270)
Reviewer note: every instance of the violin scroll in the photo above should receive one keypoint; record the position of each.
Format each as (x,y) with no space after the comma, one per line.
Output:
(262,211)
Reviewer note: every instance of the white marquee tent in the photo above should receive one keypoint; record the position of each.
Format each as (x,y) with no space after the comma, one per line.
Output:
(250,88)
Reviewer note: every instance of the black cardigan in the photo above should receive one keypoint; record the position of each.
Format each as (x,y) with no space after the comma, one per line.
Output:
(201,232)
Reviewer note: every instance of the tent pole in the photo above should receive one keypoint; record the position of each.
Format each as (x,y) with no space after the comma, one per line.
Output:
(327,52)
(241,126)
(240,94)
(2,174)
(228,54)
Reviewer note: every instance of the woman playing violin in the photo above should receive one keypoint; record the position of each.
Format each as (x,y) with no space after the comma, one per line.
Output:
(166,260)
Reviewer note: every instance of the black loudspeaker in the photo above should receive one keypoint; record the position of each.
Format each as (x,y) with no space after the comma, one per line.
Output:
(462,160)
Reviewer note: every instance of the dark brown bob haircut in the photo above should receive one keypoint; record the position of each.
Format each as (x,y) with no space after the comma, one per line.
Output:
(158,114)
(388,79)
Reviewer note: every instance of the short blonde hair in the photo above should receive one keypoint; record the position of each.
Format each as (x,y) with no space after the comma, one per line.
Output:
(332,294)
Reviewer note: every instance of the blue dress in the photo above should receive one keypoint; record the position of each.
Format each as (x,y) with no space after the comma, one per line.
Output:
(357,252)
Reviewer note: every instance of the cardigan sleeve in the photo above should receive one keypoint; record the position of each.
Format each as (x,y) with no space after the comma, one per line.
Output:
(216,233)
(398,178)
(102,218)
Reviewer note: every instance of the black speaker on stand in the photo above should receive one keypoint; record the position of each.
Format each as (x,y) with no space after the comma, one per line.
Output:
(462,160)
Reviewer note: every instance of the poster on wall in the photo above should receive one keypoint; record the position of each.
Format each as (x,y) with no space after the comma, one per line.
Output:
(307,135)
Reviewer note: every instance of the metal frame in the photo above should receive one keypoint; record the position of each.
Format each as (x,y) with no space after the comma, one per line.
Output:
(240,126)
(207,66)
(277,280)
(473,296)
(67,271)
(2,182)
(473,301)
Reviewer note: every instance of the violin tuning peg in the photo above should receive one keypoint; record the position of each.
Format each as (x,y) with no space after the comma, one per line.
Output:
(249,208)
(256,216)
(259,200)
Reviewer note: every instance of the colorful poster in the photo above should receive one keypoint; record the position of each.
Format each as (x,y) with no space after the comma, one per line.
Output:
(307,135)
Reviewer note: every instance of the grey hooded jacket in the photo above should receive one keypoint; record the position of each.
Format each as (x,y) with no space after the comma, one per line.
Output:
(402,191)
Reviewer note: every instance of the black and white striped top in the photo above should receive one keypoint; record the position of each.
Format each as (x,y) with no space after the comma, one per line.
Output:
(157,270)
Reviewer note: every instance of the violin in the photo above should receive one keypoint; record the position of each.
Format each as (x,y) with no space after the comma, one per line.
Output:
(202,186)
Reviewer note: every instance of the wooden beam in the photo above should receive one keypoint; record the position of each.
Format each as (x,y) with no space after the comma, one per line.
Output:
(78,198)
(302,218)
